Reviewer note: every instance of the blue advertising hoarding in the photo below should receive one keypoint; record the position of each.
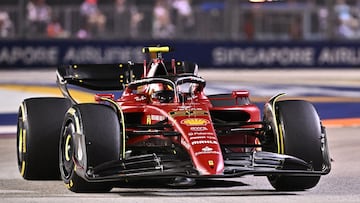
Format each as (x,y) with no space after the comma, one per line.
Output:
(50,53)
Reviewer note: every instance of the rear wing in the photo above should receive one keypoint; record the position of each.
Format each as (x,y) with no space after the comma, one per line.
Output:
(100,76)
(114,76)
(110,77)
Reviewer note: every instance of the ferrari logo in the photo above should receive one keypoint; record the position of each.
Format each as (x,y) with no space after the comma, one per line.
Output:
(211,163)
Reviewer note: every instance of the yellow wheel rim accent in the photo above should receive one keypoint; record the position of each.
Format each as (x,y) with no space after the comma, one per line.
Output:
(23,141)
(22,172)
(20,141)
(67,148)
(22,149)
(70,184)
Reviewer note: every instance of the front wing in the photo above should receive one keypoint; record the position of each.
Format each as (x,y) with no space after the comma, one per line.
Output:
(154,166)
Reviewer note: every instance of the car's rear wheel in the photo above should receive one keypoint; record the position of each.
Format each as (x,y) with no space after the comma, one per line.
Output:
(301,135)
(90,136)
(38,131)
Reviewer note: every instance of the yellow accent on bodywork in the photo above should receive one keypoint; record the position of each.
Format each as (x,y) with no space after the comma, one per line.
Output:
(156,49)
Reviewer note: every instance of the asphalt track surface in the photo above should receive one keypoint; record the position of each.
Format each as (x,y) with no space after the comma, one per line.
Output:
(329,86)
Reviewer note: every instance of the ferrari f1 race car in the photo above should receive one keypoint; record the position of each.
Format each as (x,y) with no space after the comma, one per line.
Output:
(162,126)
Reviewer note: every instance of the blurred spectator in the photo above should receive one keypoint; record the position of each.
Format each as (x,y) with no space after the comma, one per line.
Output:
(121,20)
(162,25)
(248,26)
(126,19)
(136,19)
(323,15)
(342,10)
(185,21)
(84,32)
(295,28)
(93,18)
(6,26)
(347,25)
(55,30)
(38,16)
(213,12)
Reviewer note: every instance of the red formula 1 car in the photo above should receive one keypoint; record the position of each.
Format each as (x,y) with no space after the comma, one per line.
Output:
(164,127)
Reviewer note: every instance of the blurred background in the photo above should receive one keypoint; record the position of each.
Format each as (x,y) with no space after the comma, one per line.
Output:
(204,20)
(222,33)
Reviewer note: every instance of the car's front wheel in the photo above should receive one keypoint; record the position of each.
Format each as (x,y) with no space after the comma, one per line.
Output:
(38,130)
(90,136)
(301,135)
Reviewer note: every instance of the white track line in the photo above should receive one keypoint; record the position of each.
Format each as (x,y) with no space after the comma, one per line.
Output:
(7,129)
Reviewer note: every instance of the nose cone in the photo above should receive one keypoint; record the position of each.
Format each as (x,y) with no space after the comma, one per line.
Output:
(209,163)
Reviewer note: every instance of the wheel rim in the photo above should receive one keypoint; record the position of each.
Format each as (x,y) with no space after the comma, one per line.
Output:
(21,144)
(67,151)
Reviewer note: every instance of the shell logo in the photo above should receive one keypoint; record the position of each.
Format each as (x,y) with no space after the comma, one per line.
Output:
(195,121)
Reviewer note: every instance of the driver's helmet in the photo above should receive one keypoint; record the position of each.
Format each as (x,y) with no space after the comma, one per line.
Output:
(162,93)
(163,96)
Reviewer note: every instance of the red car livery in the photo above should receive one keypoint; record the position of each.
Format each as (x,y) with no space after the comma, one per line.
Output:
(163,126)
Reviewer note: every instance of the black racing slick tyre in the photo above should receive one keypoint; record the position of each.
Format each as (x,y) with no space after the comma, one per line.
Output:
(301,131)
(38,132)
(90,137)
